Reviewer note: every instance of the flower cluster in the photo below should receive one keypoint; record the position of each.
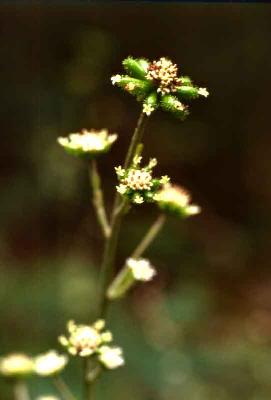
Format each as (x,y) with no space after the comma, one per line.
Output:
(90,340)
(22,365)
(137,183)
(157,84)
(176,200)
(133,271)
(88,144)
(50,363)
(16,365)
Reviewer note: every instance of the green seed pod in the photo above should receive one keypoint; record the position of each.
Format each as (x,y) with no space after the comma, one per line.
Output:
(186,81)
(134,86)
(135,67)
(187,92)
(174,106)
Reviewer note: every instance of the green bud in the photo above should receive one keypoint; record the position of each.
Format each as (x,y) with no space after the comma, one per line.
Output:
(137,68)
(187,92)
(186,81)
(174,106)
(134,86)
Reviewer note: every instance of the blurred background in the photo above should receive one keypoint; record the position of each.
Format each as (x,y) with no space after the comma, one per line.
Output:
(202,329)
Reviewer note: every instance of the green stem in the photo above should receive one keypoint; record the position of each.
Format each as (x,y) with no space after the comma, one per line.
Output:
(149,237)
(21,391)
(63,388)
(91,375)
(98,200)
(117,214)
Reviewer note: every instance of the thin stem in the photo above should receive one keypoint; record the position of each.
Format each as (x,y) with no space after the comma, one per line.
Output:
(21,391)
(136,139)
(117,214)
(149,237)
(98,200)
(63,388)
(91,375)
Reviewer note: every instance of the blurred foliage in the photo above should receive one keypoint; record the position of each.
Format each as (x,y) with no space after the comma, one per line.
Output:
(201,330)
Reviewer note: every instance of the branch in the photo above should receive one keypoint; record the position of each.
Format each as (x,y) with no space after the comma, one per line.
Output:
(63,388)
(149,237)
(117,213)
(21,390)
(98,200)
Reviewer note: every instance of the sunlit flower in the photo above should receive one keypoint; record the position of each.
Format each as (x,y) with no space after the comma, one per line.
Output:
(88,143)
(137,183)
(111,357)
(84,340)
(176,200)
(49,397)
(141,269)
(50,363)
(158,84)
(16,365)
(134,270)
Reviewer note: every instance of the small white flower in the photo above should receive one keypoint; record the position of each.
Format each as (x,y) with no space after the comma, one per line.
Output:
(203,92)
(111,357)
(141,269)
(115,79)
(120,171)
(148,109)
(193,210)
(138,199)
(137,160)
(16,364)
(50,363)
(121,189)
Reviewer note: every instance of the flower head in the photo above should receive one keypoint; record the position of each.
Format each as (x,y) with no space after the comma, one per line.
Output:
(137,183)
(111,357)
(85,340)
(135,270)
(141,269)
(88,144)
(16,365)
(50,363)
(158,84)
(176,200)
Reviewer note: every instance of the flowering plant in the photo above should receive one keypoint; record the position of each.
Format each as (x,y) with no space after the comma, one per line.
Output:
(156,85)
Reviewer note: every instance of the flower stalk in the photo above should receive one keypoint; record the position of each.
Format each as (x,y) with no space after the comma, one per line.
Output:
(63,388)
(20,390)
(98,200)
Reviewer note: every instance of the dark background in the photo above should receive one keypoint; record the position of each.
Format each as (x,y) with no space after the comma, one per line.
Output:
(202,329)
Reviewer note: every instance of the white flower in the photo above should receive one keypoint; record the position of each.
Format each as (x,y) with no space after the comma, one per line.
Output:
(111,357)
(121,189)
(203,92)
(88,142)
(85,340)
(120,171)
(16,364)
(50,363)
(138,199)
(148,109)
(115,79)
(141,269)
(47,397)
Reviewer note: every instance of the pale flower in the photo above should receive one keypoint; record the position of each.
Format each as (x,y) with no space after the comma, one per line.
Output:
(84,340)
(141,269)
(203,92)
(111,357)
(148,109)
(49,397)
(115,79)
(16,364)
(50,363)
(88,142)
